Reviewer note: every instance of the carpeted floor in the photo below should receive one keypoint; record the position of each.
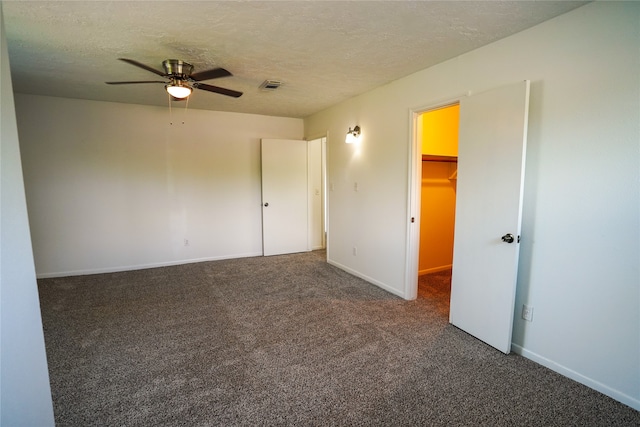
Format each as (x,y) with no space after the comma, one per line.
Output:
(436,287)
(286,341)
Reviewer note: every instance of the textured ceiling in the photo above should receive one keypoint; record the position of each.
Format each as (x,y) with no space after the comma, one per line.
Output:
(322,51)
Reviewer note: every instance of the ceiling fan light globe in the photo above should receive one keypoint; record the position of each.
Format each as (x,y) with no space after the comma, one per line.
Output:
(178,91)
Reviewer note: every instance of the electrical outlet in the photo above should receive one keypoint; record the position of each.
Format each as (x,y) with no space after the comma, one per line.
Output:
(527,313)
(356,187)
(355,251)
(186,242)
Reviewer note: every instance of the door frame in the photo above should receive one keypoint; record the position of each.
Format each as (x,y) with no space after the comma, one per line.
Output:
(415,193)
(323,190)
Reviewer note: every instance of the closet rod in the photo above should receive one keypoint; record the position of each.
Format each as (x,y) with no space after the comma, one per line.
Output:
(430,158)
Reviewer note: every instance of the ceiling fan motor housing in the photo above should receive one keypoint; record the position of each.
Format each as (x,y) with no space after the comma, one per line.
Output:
(177,68)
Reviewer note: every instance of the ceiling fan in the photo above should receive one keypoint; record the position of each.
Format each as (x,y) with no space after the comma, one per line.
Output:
(182,79)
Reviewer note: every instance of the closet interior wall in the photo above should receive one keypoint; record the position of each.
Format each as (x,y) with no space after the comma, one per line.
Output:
(438,196)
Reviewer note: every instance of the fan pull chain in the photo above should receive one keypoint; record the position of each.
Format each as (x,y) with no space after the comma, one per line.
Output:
(186,106)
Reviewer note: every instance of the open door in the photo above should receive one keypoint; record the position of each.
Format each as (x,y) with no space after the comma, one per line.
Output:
(492,143)
(284,197)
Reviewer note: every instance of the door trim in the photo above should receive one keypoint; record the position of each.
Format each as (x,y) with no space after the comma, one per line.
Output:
(323,192)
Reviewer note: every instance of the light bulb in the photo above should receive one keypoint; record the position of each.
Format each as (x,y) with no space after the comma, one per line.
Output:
(353,135)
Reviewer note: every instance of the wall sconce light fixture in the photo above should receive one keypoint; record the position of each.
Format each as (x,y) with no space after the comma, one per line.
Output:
(353,135)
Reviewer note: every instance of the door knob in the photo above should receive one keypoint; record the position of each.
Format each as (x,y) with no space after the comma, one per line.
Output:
(266,205)
(508,238)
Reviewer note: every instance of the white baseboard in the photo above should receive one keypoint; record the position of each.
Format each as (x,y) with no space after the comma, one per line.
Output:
(367,278)
(434,269)
(569,373)
(140,266)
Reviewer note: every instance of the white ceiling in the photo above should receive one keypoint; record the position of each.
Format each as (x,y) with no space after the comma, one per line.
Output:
(322,51)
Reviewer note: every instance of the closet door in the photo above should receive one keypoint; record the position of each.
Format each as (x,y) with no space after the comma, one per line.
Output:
(492,142)
(284,196)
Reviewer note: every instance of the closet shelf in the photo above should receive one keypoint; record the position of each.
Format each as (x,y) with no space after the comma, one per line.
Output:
(448,159)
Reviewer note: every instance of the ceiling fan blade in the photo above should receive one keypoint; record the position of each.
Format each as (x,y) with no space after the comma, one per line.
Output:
(217,89)
(210,74)
(143,66)
(132,83)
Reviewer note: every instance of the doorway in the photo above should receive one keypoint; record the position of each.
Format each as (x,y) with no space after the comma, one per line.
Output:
(490,181)
(293,195)
(439,141)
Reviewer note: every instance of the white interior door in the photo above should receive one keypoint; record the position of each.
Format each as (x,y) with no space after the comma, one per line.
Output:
(284,196)
(491,154)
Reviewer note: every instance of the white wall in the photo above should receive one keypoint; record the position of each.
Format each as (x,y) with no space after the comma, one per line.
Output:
(579,265)
(115,186)
(25,396)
